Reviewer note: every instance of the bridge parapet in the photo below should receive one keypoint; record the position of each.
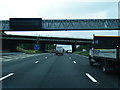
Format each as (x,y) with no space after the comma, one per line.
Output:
(45,39)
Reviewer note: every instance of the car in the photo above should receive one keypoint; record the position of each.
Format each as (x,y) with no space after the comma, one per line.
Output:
(69,51)
(53,51)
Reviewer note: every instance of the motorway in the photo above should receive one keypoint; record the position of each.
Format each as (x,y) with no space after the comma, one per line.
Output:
(48,70)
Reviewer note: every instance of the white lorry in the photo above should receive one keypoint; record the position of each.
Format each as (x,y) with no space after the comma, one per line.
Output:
(59,50)
(105,51)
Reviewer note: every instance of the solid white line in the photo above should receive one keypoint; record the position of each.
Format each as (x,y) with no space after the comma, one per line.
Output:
(17,58)
(8,60)
(6,76)
(36,61)
(74,62)
(8,57)
(84,56)
(91,77)
(5,56)
(23,57)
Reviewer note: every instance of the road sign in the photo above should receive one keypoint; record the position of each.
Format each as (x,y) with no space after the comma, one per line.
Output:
(36,47)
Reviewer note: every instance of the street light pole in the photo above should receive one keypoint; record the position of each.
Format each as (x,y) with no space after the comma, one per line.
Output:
(38,39)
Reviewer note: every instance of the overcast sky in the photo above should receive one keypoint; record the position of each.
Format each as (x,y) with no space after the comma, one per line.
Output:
(60,9)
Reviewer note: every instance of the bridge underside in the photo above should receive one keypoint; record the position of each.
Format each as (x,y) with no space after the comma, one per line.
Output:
(12,44)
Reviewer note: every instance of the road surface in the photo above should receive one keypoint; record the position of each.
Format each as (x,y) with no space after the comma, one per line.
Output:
(55,71)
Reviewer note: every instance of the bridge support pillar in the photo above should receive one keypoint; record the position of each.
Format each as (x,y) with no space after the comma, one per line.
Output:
(73,47)
(42,47)
(9,45)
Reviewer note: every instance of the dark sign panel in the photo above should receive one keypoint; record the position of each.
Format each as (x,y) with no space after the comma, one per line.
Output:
(106,42)
(25,23)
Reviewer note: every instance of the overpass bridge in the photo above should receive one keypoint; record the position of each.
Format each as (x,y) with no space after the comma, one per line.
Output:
(71,24)
(11,41)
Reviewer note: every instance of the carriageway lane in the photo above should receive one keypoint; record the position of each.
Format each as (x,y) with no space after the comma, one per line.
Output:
(11,57)
(110,80)
(17,64)
(52,71)
(27,73)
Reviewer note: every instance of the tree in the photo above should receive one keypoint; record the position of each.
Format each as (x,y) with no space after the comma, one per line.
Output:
(81,47)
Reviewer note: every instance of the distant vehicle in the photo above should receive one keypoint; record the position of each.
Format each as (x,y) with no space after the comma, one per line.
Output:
(59,50)
(105,51)
(52,51)
(69,51)
(84,50)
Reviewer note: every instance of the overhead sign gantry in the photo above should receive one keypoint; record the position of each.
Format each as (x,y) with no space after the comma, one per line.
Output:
(37,24)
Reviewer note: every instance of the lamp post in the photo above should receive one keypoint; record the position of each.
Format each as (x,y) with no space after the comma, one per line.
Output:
(36,46)
(38,39)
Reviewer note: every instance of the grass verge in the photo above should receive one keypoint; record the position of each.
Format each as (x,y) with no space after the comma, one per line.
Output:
(28,51)
(85,53)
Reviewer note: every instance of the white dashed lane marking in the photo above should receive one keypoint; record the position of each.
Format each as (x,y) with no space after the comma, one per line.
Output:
(91,78)
(69,57)
(74,62)
(6,76)
(37,62)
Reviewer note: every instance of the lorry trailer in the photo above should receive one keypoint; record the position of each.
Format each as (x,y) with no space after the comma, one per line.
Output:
(59,50)
(105,50)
